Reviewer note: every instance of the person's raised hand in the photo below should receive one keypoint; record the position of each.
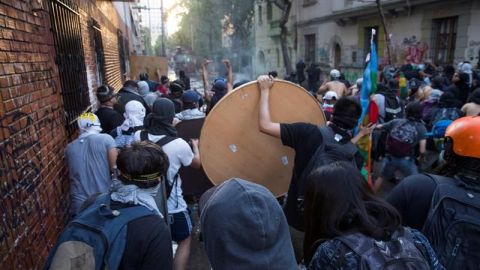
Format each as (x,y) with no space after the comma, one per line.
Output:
(227,63)
(265,82)
(194,143)
(206,62)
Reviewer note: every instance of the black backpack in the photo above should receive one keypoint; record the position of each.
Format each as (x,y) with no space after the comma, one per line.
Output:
(398,253)
(329,151)
(453,224)
(163,141)
(393,108)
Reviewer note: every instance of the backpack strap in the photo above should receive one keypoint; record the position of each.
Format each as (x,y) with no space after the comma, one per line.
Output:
(438,179)
(111,225)
(303,177)
(328,138)
(143,135)
(166,139)
(168,187)
(348,148)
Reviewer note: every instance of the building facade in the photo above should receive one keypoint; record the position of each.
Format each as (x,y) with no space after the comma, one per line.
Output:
(268,53)
(336,33)
(53,54)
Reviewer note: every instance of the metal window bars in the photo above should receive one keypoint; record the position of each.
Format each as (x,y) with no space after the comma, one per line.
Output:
(66,28)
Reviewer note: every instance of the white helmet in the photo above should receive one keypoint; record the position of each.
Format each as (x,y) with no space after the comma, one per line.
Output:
(334,73)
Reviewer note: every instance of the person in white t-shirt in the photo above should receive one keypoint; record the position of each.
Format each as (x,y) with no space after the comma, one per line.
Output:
(158,125)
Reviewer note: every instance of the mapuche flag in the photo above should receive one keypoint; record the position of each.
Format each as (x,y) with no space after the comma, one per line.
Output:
(369,108)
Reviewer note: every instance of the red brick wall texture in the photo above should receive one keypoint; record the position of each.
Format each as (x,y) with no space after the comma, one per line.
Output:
(33,178)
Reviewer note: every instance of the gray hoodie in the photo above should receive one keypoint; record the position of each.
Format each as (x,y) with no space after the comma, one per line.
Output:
(244,227)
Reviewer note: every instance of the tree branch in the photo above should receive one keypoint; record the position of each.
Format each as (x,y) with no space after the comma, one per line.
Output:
(280,5)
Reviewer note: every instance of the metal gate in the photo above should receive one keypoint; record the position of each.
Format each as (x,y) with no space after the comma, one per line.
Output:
(70,60)
(98,45)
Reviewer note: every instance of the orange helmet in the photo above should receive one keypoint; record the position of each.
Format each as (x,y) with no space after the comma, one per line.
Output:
(465,133)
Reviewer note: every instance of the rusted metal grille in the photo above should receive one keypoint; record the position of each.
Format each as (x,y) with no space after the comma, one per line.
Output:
(70,60)
(99,55)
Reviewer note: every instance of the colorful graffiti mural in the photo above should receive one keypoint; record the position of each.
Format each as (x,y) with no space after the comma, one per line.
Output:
(409,50)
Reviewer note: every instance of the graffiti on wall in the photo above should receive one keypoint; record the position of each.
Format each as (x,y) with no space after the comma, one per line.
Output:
(21,165)
(473,52)
(408,50)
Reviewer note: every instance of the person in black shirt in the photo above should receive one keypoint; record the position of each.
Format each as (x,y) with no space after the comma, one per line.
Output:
(141,168)
(109,118)
(129,92)
(413,196)
(305,138)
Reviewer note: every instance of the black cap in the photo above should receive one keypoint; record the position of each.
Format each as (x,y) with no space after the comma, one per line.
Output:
(105,93)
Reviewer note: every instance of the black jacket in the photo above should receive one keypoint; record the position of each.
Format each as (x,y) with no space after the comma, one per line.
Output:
(124,96)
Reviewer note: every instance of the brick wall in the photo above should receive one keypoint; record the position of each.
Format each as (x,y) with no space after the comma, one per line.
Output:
(33,187)
(33,178)
(107,18)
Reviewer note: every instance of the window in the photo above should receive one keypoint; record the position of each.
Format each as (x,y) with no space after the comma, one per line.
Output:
(260,16)
(310,48)
(269,11)
(121,51)
(444,35)
(66,25)
(98,45)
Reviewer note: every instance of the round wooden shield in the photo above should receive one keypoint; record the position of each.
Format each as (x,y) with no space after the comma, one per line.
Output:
(231,144)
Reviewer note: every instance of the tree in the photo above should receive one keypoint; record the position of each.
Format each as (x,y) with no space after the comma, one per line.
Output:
(157,47)
(384,24)
(285,6)
(147,41)
(240,14)
(387,35)
(201,28)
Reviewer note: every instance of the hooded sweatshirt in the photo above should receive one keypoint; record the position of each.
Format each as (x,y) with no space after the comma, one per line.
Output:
(134,117)
(244,227)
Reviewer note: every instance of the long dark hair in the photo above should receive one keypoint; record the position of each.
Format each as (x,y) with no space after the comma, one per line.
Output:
(337,202)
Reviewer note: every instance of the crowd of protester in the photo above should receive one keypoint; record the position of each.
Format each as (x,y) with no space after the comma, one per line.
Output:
(331,218)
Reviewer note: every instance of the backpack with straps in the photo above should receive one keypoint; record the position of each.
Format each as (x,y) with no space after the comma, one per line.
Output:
(95,238)
(441,120)
(453,223)
(398,253)
(393,108)
(329,151)
(163,141)
(401,139)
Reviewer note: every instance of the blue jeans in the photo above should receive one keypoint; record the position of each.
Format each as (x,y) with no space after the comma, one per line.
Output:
(406,165)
